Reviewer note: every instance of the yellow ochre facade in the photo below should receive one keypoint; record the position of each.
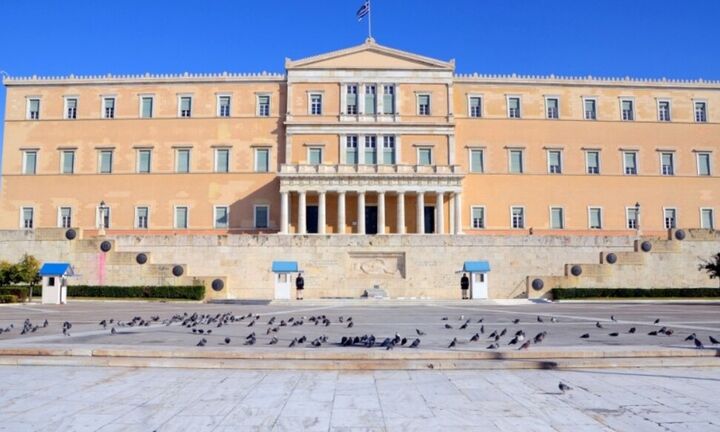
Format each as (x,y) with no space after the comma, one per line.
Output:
(367,139)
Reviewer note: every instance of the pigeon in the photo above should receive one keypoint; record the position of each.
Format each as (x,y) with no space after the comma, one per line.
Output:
(539,337)
(419,332)
(564,387)
(482,329)
(653,333)
(516,320)
(227,340)
(448,326)
(45,324)
(475,337)
(453,343)
(553,319)
(540,319)
(444,318)
(113,331)
(713,340)
(502,333)
(585,336)
(493,346)
(480,320)
(250,341)
(201,343)
(632,330)
(292,344)
(690,337)
(350,324)
(415,343)
(252,323)
(403,341)
(525,346)
(698,344)
(656,321)
(598,325)
(250,336)
(615,334)
(273,341)
(464,326)
(493,334)
(612,318)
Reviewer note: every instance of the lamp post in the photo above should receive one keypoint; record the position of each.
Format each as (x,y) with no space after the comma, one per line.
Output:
(101,219)
(637,217)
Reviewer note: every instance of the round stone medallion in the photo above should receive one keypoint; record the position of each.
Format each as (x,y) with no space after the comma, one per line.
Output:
(218,285)
(178,271)
(70,234)
(105,246)
(646,246)
(576,270)
(538,284)
(141,258)
(611,258)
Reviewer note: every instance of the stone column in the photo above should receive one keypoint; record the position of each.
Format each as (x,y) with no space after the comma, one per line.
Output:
(361,213)
(401,213)
(439,214)
(341,213)
(420,213)
(381,212)
(284,212)
(451,212)
(458,213)
(302,212)
(321,213)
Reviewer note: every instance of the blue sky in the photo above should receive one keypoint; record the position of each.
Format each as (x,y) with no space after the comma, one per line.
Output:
(642,38)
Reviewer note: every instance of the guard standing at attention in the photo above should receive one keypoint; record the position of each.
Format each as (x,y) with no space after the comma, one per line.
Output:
(299,286)
(464,286)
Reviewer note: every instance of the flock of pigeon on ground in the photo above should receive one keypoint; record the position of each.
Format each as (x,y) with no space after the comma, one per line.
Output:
(198,324)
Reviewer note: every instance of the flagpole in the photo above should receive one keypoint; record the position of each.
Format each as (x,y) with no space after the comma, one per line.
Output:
(369,20)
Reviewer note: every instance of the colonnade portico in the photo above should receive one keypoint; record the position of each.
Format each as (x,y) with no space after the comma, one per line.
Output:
(362,225)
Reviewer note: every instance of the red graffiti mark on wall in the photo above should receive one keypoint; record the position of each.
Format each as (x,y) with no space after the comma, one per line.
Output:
(101,269)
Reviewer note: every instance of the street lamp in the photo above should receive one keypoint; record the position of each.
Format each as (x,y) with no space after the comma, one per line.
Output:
(101,219)
(637,216)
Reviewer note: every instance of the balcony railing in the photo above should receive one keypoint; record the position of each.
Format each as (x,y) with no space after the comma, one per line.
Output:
(369,169)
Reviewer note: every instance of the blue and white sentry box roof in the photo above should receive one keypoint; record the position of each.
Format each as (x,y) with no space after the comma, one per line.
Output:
(284,266)
(56,269)
(476,266)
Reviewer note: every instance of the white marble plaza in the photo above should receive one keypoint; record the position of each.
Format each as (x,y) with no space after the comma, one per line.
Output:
(120,399)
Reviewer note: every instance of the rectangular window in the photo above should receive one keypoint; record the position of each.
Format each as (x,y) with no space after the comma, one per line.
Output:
(106,161)
(388,99)
(700,112)
(185,106)
(28,218)
(142,215)
(370,150)
(513,107)
(424,156)
(351,149)
(351,99)
(590,109)
(221,217)
(595,216)
(478,217)
(707,218)
(104,217)
(182,160)
(262,216)
(146,106)
(632,218)
(552,108)
(389,150)
(555,162)
(315,156)
(630,160)
(262,160)
(670,218)
(144,161)
(33,109)
(68,161)
(370,100)
(667,163)
(109,107)
(263,105)
(628,111)
(475,106)
(664,111)
(65,217)
(181,217)
(517,217)
(516,161)
(703,162)
(315,104)
(423,101)
(71,108)
(222,160)
(223,109)
(557,218)
(29,162)
(477,162)
(592,160)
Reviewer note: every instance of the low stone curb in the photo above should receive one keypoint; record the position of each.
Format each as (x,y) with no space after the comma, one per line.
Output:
(312,359)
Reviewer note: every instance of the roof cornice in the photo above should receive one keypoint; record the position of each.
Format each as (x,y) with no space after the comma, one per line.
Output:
(144,78)
(586,81)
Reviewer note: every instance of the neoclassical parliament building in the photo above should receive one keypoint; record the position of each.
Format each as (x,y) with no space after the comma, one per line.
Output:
(368,142)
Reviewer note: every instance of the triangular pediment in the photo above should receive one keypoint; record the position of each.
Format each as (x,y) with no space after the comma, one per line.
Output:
(370,55)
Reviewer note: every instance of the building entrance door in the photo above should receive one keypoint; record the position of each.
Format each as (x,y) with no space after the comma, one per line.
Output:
(311,222)
(478,285)
(371,226)
(429,219)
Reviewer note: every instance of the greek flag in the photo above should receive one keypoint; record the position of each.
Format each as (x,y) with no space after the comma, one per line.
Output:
(364,10)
